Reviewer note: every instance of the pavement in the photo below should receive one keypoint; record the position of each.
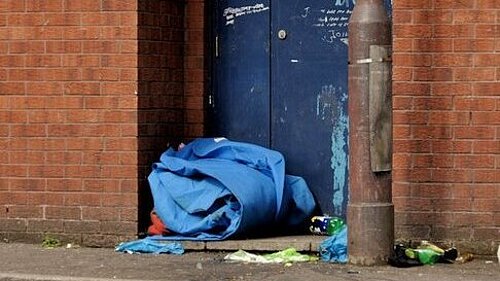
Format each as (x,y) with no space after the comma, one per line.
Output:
(35,263)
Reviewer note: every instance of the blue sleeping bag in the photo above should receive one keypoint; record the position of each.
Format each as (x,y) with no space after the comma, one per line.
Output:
(215,188)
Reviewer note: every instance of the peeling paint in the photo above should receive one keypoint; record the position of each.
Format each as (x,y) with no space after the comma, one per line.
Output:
(339,161)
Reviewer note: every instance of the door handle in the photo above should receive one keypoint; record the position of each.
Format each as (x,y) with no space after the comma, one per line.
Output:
(282,34)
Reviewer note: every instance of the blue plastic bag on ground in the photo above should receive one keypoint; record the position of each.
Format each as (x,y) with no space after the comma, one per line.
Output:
(150,245)
(334,248)
(215,188)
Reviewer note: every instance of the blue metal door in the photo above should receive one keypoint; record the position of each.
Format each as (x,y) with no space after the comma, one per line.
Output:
(240,101)
(281,81)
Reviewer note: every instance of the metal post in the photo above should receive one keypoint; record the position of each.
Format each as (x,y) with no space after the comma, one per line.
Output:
(370,212)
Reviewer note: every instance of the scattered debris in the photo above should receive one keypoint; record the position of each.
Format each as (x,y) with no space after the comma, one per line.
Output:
(425,253)
(466,257)
(151,245)
(289,255)
(334,248)
(199,266)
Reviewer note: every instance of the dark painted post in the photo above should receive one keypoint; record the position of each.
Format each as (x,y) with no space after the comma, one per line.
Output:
(370,212)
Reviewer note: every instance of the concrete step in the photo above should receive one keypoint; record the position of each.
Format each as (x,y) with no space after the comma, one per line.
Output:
(302,243)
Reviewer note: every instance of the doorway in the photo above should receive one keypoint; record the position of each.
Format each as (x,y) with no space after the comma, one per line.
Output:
(280,81)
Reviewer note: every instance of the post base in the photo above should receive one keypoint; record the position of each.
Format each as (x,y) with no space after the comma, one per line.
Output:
(371,233)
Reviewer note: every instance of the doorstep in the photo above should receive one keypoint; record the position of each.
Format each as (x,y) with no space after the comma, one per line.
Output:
(302,243)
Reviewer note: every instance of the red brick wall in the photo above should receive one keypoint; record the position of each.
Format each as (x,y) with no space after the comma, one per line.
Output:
(161,88)
(68,119)
(447,121)
(196,63)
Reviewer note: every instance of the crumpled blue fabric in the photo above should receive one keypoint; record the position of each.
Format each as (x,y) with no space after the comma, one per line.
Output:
(150,245)
(334,248)
(215,188)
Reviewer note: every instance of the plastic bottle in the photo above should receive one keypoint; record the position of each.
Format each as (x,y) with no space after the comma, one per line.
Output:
(334,226)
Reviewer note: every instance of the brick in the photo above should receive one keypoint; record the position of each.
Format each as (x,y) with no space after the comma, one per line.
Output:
(12,88)
(432,16)
(490,233)
(119,5)
(81,33)
(486,118)
(453,60)
(43,61)
(44,5)
(485,191)
(400,31)
(44,88)
(121,88)
(447,146)
(100,74)
(80,6)
(28,131)
(412,60)
(474,104)
(433,74)
(411,89)
(400,190)
(453,31)
(474,133)
(12,6)
(100,19)
(17,20)
(101,214)
(451,89)
(487,31)
(81,227)
(54,157)
(449,118)
(486,205)
(101,185)
(433,45)
(58,19)
(120,200)
(431,132)
(121,32)
(433,103)
(64,184)
(63,47)
(45,198)
(26,157)
(71,213)
(19,211)
(486,176)
(482,147)
(487,4)
(474,16)
(473,45)
(26,47)
(474,161)
(82,199)
(13,224)
(474,74)
(433,160)
(100,47)
(486,60)
(53,226)
(453,4)
(82,88)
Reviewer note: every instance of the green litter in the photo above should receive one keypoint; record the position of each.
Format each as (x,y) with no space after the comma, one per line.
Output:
(287,256)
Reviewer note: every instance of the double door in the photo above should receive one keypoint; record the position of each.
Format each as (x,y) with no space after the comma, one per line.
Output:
(280,81)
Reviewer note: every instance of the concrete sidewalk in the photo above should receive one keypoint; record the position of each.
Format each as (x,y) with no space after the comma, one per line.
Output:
(32,262)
